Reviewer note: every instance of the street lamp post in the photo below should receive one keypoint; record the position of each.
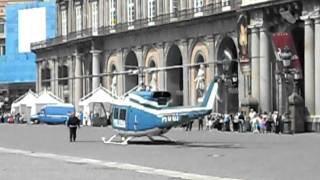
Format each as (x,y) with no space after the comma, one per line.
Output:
(226,77)
(285,58)
(225,66)
(288,76)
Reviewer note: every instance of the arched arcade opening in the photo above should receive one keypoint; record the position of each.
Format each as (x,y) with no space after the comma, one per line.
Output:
(63,72)
(174,77)
(45,77)
(228,71)
(131,62)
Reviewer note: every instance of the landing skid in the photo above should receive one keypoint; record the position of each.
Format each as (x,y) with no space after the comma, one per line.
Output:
(125,140)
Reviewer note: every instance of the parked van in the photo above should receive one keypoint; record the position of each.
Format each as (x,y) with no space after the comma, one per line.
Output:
(53,114)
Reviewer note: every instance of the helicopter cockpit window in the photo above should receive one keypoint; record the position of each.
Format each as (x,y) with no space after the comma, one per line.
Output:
(115,114)
(122,114)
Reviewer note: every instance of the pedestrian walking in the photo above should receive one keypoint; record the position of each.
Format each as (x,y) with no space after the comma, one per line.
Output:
(241,122)
(73,123)
(2,118)
(226,122)
(278,123)
(231,124)
(81,117)
(17,118)
(189,126)
(200,125)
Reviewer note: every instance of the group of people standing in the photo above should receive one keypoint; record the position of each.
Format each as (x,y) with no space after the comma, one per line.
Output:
(253,122)
(13,119)
(240,122)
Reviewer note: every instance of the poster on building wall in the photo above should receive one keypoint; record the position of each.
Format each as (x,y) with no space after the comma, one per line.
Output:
(31,27)
(242,27)
(281,42)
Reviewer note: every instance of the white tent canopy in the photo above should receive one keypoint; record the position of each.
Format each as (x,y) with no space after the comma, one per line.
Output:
(27,100)
(99,95)
(46,97)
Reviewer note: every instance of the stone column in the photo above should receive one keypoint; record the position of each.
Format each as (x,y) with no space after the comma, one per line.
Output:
(106,13)
(71,80)
(119,11)
(159,9)
(309,65)
(138,9)
(162,60)
(85,15)
(55,89)
(211,70)
(38,83)
(246,73)
(183,4)
(255,63)
(317,65)
(211,55)
(183,46)
(77,81)
(144,8)
(121,78)
(166,7)
(95,68)
(139,54)
(265,83)
(52,75)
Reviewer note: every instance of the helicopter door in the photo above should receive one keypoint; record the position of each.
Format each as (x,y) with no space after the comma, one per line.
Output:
(119,118)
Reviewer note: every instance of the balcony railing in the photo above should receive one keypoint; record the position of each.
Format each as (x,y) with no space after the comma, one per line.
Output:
(211,9)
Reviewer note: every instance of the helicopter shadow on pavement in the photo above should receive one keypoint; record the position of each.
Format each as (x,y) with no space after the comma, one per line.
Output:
(88,141)
(214,145)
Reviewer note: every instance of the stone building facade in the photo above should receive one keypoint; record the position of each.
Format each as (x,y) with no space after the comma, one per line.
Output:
(98,38)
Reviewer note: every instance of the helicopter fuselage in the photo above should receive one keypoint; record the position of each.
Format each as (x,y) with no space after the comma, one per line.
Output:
(133,121)
(150,114)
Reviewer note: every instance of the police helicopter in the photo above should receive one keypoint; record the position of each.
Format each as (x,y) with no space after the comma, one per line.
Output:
(145,113)
(148,113)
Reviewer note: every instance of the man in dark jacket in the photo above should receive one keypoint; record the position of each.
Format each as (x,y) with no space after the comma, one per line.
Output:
(73,123)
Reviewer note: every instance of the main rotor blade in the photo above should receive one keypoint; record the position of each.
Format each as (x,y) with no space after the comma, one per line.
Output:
(136,70)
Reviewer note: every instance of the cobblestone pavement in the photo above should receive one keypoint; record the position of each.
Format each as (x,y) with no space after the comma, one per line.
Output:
(45,153)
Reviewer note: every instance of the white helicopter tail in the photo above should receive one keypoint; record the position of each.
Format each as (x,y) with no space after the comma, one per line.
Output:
(210,95)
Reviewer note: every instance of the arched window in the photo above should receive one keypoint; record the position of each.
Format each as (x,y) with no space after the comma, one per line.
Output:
(78,18)
(225,3)
(45,77)
(198,4)
(174,7)
(113,12)
(130,10)
(63,73)
(94,16)
(151,10)
(63,21)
